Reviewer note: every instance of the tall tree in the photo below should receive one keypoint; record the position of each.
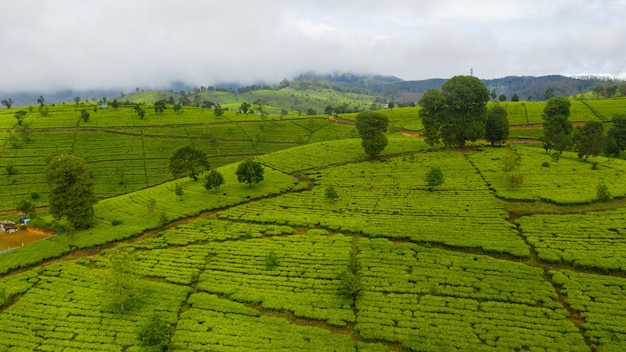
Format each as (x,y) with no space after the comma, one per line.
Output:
(41,100)
(557,128)
(589,139)
(120,282)
(71,190)
(616,137)
(76,99)
(514,97)
(497,125)
(372,126)
(8,103)
(188,161)
(250,172)
(463,116)
(213,179)
(433,113)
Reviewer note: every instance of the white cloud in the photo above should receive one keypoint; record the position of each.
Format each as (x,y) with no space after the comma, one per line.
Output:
(123,44)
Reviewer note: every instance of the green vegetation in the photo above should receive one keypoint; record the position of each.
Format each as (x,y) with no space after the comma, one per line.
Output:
(372,126)
(386,265)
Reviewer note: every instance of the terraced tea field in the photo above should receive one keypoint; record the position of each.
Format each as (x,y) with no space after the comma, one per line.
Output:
(127,153)
(442,268)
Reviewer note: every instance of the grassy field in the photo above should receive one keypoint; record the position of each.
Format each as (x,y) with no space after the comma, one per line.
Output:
(435,261)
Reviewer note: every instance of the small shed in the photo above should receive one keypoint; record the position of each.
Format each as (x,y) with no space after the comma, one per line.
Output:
(8,226)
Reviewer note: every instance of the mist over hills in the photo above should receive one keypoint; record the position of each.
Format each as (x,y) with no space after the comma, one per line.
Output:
(383,88)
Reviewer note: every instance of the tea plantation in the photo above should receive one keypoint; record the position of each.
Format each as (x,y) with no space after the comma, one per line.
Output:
(240,268)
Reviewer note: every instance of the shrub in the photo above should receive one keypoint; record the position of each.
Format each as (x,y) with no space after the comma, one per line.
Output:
(116,222)
(154,334)
(178,190)
(514,178)
(330,193)
(545,164)
(602,192)
(434,177)
(272,260)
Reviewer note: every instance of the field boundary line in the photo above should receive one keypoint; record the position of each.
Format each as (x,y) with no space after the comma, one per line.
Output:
(145,164)
(595,113)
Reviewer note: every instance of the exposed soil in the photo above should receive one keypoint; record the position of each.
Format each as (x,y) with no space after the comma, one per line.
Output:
(22,237)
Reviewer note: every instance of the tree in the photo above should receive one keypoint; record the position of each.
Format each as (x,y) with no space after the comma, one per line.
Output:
(218,110)
(494,95)
(511,160)
(159,106)
(391,104)
(372,126)
(514,97)
(84,115)
(151,206)
(76,99)
(8,103)
(154,334)
(497,125)
(602,192)
(120,283)
(71,190)
(616,136)
(548,94)
(214,179)
(249,172)
(433,113)
(589,139)
(188,161)
(434,177)
(329,110)
(502,97)
(350,277)
(41,100)
(458,114)
(20,116)
(557,129)
(244,107)
(330,193)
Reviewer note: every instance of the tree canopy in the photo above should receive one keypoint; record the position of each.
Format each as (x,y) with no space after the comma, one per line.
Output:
(497,125)
(250,172)
(372,126)
(616,136)
(457,114)
(557,128)
(188,161)
(589,139)
(71,190)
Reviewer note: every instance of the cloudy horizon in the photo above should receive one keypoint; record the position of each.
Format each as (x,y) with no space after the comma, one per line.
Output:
(114,44)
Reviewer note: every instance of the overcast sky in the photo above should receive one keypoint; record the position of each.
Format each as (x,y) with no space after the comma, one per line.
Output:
(80,44)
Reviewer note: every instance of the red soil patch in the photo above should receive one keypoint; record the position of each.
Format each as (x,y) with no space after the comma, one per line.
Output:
(22,237)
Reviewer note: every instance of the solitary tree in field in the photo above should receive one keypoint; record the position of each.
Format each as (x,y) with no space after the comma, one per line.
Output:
(330,193)
(372,126)
(159,106)
(456,114)
(510,163)
(244,107)
(497,125)
(84,115)
(434,177)
(557,128)
(213,180)
(120,282)
(589,139)
(71,190)
(249,172)
(502,97)
(76,99)
(20,116)
(8,103)
(41,100)
(154,333)
(188,161)
(514,97)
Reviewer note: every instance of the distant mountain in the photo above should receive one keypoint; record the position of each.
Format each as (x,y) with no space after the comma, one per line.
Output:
(381,88)
(525,86)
